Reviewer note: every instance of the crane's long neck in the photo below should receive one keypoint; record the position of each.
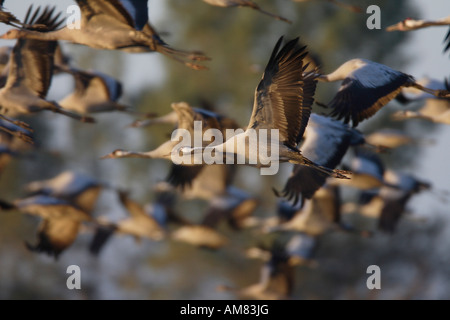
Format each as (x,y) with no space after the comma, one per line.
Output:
(153,154)
(61,34)
(331,77)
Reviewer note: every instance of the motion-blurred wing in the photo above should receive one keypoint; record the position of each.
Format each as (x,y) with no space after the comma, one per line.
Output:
(134,209)
(31,61)
(182,176)
(391,213)
(96,86)
(55,235)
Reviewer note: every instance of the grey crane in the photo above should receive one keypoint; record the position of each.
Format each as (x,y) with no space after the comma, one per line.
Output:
(31,70)
(75,187)
(211,180)
(60,224)
(183,176)
(366,87)
(94,92)
(388,204)
(112,25)
(367,170)
(283,102)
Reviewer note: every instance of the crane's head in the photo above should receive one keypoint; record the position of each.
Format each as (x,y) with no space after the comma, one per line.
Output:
(118,153)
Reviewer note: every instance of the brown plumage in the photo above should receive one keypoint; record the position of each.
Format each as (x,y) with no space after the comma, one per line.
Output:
(112,25)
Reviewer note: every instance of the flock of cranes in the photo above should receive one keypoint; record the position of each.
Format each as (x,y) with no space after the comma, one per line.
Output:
(314,144)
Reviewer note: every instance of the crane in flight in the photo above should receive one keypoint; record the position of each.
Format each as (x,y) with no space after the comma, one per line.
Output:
(366,87)
(282,103)
(61,221)
(31,70)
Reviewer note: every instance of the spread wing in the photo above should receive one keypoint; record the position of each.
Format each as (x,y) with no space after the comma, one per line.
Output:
(365,91)
(31,61)
(284,96)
